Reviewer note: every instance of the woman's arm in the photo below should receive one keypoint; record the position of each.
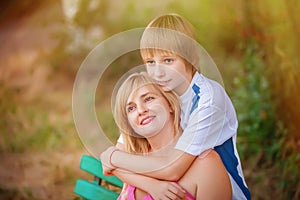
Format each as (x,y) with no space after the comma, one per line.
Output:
(215,182)
(171,166)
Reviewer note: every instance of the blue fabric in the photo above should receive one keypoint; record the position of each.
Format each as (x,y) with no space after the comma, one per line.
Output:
(226,152)
(195,100)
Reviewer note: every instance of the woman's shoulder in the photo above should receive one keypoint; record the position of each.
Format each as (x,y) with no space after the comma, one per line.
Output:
(209,158)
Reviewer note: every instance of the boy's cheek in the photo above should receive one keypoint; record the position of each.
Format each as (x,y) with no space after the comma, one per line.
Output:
(150,71)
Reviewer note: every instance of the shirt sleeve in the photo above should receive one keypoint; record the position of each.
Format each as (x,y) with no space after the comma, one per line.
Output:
(121,139)
(207,123)
(203,130)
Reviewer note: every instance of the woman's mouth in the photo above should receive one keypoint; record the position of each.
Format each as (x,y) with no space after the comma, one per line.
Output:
(147,120)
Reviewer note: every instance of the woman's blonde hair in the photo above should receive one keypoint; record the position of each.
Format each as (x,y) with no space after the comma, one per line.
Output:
(132,141)
(171,34)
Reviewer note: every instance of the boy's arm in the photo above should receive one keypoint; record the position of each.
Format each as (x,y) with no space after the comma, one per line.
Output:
(202,132)
(156,188)
(120,146)
(170,167)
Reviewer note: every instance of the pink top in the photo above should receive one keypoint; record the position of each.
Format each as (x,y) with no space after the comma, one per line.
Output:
(128,194)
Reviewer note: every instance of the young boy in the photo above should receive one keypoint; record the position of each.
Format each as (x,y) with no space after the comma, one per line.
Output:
(208,118)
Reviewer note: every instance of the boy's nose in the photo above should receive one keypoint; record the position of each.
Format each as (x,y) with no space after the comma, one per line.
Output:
(159,71)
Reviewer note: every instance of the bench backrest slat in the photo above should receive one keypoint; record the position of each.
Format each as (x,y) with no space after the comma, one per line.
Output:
(91,190)
(94,166)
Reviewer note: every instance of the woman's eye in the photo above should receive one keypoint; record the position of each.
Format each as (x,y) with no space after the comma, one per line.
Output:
(147,99)
(130,109)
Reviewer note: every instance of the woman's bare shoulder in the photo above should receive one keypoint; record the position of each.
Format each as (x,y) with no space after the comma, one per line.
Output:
(209,157)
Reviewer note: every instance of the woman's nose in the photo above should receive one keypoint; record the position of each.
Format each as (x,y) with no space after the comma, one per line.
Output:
(141,108)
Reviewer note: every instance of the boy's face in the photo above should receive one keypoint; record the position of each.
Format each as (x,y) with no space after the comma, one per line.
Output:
(169,71)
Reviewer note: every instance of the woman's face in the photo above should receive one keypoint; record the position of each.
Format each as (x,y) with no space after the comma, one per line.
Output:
(148,112)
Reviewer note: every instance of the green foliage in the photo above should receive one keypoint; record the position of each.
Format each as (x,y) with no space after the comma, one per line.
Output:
(262,138)
(252,98)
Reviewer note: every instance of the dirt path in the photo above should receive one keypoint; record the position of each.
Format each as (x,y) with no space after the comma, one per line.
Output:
(44,175)
(24,39)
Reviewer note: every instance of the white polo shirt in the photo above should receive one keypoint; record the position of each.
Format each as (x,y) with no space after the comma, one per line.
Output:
(211,123)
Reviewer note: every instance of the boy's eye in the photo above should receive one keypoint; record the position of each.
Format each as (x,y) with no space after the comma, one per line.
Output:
(150,62)
(168,60)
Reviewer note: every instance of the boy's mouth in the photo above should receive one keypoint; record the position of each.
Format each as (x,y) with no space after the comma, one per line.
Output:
(163,83)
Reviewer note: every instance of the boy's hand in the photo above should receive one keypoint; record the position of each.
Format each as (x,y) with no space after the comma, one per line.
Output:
(107,171)
(167,190)
(105,158)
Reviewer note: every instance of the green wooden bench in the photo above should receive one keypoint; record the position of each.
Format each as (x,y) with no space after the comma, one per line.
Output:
(96,190)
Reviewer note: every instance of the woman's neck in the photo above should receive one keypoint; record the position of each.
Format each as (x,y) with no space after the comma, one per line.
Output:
(164,138)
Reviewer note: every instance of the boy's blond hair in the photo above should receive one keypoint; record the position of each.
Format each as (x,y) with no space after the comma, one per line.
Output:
(134,142)
(171,34)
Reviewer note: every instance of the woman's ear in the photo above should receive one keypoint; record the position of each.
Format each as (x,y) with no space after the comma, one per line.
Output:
(171,110)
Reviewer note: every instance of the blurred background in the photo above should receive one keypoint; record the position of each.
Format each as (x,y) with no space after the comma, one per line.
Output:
(254,43)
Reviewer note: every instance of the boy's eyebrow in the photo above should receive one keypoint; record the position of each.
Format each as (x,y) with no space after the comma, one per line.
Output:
(148,58)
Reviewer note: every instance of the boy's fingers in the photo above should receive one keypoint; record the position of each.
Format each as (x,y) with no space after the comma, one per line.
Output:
(178,191)
(108,172)
(176,185)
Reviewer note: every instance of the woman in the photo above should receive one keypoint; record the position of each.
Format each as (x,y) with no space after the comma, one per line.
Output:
(148,118)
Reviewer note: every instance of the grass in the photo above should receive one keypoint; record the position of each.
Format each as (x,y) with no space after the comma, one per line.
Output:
(31,129)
